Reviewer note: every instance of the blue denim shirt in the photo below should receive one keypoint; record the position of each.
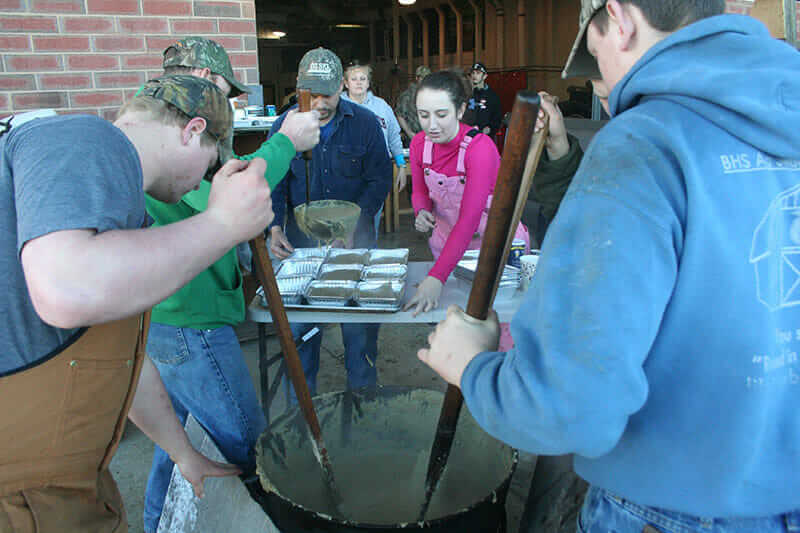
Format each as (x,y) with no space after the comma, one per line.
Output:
(352,164)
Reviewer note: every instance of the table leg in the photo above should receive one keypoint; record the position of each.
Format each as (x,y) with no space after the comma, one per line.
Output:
(263,368)
(396,201)
(387,214)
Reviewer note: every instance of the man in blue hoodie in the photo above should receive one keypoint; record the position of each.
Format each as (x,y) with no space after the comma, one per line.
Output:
(658,341)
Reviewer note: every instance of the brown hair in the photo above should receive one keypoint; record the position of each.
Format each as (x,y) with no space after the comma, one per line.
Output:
(666,15)
(450,81)
(178,69)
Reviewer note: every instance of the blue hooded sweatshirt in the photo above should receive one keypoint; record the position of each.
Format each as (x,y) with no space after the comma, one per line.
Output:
(659,339)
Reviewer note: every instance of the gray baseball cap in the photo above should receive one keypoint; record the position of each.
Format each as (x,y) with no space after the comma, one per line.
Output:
(580,62)
(320,72)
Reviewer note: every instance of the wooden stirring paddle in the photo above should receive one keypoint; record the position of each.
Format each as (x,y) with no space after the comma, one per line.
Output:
(500,227)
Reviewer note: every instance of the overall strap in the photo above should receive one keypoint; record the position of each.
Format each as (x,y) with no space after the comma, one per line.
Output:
(427,152)
(462,151)
(5,125)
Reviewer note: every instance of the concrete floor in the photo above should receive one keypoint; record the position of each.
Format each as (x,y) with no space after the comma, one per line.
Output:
(397,365)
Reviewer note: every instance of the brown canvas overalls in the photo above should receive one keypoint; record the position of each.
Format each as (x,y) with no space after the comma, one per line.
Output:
(60,423)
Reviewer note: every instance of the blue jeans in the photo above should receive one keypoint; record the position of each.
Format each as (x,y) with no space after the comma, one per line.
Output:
(603,512)
(205,374)
(378,216)
(360,353)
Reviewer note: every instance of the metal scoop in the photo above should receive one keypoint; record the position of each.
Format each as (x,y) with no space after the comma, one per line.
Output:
(328,220)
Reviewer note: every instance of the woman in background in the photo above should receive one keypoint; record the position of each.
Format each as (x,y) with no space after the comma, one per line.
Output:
(357,79)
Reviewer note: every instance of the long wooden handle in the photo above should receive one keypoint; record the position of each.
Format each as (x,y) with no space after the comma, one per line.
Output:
(304,105)
(493,254)
(266,275)
(491,263)
(294,368)
(531,164)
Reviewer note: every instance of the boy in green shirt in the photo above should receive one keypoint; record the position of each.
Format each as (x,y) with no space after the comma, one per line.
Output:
(192,341)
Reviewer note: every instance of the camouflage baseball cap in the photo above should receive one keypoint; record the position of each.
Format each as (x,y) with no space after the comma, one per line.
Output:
(580,62)
(197,97)
(199,52)
(320,72)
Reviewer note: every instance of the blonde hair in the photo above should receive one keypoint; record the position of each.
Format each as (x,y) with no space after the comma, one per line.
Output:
(163,112)
(355,65)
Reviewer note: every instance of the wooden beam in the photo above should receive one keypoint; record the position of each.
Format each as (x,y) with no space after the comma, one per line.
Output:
(395,33)
(426,39)
(499,32)
(779,17)
(459,34)
(410,45)
(522,34)
(440,16)
(478,31)
(372,51)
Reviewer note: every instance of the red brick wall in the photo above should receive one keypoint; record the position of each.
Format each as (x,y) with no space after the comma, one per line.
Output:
(90,56)
(743,6)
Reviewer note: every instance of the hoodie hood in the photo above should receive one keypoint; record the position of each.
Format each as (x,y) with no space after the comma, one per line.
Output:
(764,108)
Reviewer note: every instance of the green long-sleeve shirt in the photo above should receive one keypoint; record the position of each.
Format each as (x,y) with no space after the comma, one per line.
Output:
(553,177)
(214,298)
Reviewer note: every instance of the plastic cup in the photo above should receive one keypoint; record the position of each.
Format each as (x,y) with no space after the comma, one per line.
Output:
(527,269)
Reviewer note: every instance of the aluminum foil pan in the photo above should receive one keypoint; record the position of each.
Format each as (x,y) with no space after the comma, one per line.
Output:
(395,256)
(395,272)
(465,269)
(300,267)
(343,256)
(506,289)
(339,272)
(291,289)
(331,293)
(308,253)
(380,294)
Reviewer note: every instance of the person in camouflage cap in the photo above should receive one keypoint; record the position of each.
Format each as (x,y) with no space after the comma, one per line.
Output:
(406,108)
(227,405)
(81,269)
(197,97)
(203,53)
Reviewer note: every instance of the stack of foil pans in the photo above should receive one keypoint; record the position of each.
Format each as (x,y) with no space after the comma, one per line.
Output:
(465,272)
(336,277)
(331,293)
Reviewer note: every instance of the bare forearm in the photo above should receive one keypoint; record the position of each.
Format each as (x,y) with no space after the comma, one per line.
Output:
(152,412)
(80,278)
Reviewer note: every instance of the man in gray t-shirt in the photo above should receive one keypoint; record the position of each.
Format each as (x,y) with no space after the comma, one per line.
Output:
(78,265)
(93,183)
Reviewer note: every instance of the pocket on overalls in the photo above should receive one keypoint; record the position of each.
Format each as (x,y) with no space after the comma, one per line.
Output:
(74,511)
(95,394)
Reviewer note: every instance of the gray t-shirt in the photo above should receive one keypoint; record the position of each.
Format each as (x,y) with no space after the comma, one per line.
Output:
(61,173)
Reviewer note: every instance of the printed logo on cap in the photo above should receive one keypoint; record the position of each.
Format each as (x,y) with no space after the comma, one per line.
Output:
(320,68)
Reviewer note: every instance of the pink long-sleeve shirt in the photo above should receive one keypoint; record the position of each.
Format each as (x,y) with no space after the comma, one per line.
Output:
(481,163)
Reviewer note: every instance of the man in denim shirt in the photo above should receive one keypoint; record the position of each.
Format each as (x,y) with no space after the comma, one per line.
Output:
(349,163)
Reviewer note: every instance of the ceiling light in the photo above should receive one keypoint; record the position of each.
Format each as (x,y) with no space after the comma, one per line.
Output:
(351,26)
(274,34)
(406,2)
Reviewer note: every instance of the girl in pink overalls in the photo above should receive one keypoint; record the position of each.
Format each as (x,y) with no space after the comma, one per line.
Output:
(454,170)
